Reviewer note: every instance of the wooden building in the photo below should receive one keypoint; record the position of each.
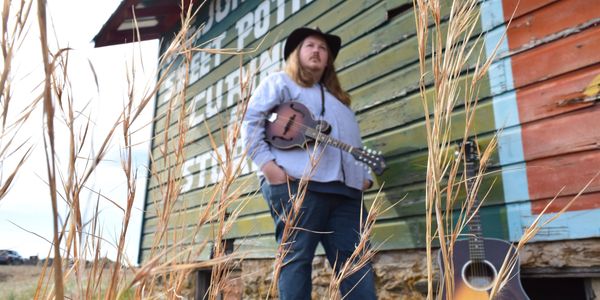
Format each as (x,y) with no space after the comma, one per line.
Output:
(541,95)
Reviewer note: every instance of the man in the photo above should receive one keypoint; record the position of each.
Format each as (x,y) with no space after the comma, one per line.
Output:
(332,207)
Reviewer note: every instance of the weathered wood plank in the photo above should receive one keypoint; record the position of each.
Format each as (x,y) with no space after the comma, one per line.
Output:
(557,96)
(404,200)
(553,18)
(253,204)
(408,109)
(570,171)
(557,58)
(256,224)
(584,202)
(563,134)
(384,36)
(413,137)
(520,8)
(200,196)
(186,252)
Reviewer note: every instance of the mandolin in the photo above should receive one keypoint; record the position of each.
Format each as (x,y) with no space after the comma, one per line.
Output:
(291,125)
(477,260)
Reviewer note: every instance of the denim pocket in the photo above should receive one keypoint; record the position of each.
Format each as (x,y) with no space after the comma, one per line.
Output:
(279,195)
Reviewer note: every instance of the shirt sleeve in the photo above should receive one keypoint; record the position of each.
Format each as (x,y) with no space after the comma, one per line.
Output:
(264,98)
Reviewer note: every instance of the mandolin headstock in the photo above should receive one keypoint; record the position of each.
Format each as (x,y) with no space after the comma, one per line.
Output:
(373,159)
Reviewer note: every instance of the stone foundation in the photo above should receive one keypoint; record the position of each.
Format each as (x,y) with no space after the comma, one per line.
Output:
(399,275)
(402,274)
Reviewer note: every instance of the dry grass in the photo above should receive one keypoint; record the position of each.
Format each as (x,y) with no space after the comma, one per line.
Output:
(448,61)
(173,256)
(362,254)
(13,33)
(18,282)
(77,239)
(447,215)
(445,181)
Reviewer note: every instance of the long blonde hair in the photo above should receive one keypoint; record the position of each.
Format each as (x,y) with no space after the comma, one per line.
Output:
(329,79)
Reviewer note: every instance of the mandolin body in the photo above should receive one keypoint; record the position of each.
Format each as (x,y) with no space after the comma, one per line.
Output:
(289,122)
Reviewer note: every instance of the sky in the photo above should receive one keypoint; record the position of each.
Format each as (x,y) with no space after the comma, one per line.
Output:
(26,211)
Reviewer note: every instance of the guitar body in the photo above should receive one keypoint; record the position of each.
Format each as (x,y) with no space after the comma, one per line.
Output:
(473,280)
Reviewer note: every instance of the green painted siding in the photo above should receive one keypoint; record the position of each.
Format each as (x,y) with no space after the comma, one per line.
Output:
(378,64)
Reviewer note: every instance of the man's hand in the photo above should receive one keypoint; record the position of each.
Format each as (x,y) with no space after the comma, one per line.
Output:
(367,184)
(274,173)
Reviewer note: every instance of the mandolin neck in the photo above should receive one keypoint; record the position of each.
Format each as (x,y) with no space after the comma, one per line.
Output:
(326,139)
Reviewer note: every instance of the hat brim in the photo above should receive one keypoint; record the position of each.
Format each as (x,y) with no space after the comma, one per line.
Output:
(334,42)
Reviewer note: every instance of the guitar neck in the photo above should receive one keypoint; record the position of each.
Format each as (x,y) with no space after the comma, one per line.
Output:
(476,246)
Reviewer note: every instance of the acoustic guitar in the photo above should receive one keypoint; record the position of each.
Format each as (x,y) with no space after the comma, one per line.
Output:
(477,260)
(291,125)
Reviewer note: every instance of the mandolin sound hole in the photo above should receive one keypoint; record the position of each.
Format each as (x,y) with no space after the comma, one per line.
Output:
(479,275)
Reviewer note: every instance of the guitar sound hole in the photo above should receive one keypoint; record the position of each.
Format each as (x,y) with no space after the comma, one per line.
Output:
(479,275)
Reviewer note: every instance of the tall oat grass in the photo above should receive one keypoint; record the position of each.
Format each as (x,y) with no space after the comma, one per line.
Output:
(14,27)
(447,215)
(78,241)
(448,60)
(78,269)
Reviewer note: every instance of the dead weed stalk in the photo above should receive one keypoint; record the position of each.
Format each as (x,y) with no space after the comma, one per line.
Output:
(450,53)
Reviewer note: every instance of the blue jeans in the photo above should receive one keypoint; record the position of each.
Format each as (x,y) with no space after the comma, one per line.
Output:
(333,220)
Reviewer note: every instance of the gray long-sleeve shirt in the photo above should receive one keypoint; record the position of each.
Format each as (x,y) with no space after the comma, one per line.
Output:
(333,164)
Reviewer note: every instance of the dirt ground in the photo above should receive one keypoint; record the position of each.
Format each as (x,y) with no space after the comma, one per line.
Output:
(18,282)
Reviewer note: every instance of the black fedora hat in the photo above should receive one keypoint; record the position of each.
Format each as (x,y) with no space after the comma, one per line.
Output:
(298,35)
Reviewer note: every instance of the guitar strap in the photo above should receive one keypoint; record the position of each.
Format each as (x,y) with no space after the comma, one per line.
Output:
(322,100)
